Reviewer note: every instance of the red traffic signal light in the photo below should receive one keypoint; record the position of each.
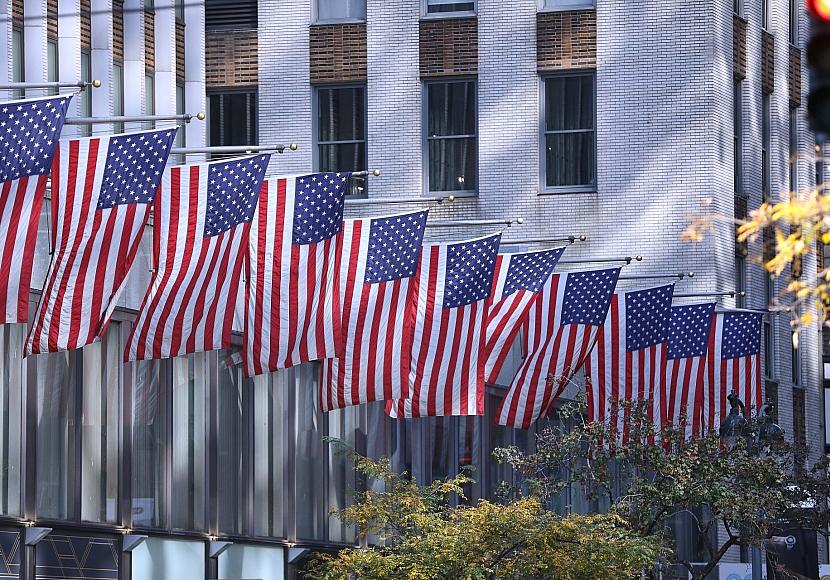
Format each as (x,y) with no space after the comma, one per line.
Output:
(820,9)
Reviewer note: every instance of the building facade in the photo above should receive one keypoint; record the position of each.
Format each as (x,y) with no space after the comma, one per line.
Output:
(620,121)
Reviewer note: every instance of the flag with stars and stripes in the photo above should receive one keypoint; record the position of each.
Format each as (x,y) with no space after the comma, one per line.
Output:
(628,361)
(377,259)
(102,192)
(733,363)
(202,218)
(688,340)
(561,328)
(29,132)
(292,296)
(516,282)
(446,375)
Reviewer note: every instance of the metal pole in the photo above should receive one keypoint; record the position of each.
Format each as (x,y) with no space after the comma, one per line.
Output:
(708,294)
(231,149)
(464,223)
(49,85)
(423,199)
(626,259)
(187,117)
(679,276)
(571,239)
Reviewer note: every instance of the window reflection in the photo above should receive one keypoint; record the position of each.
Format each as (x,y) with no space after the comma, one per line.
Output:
(232,416)
(343,424)
(150,436)
(269,446)
(189,441)
(11,413)
(309,458)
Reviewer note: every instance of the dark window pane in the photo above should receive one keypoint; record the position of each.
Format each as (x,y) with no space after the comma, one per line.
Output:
(56,475)
(60,557)
(341,114)
(569,159)
(569,103)
(343,157)
(233,119)
(451,108)
(440,7)
(452,164)
(150,439)
(341,9)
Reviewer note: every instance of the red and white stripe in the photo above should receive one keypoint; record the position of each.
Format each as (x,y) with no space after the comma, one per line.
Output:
(93,251)
(21,201)
(617,374)
(292,295)
(742,375)
(377,322)
(553,350)
(505,317)
(683,393)
(189,305)
(447,373)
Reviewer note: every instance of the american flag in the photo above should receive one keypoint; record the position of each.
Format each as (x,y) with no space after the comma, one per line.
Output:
(733,363)
(628,361)
(292,293)
(102,192)
(688,337)
(447,365)
(516,282)
(561,328)
(202,219)
(29,132)
(377,259)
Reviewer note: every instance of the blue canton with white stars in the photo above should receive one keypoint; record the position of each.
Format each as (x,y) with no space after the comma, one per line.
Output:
(741,335)
(394,247)
(29,133)
(646,316)
(530,271)
(318,206)
(470,268)
(134,167)
(689,329)
(233,192)
(588,296)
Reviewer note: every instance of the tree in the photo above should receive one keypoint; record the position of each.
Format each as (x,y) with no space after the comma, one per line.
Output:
(649,477)
(421,533)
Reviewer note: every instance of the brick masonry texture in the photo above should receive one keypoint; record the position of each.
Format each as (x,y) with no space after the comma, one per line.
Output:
(180,53)
(767,62)
(86,25)
(118,30)
(739,26)
(17,12)
(448,47)
(337,53)
(52,18)
(231,58)
(566,40)
(794,80)
(149,41)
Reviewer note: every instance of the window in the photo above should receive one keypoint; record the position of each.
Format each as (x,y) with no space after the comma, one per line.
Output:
(769,349)
(270,441)
(569,155)
(118,95)
(18,69)
(566,4)
(765,14)
(181,134)
(799,425)
(52,64)
(793,151)
(796,359)
(232,404)
(328,10)
(74,557)
(230,14)
(150,438)
(233,118)
(737,129)
(341,130)
(86,96)
(765,147)
(149,98)
(310,454)
(451,139)
(737,7)
(179,8)
(11,415)
(445,7)
(793,22)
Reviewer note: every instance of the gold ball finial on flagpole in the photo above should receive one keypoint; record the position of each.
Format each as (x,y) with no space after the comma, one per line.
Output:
(293,146)
(691,274)
(376,172)
(520,221)
(583,238)
(638,258)
(96,83)
(451,198)
(201,115)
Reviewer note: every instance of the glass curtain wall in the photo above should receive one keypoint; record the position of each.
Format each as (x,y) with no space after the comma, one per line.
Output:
(11,413)
(231,463)
(150,440)
(270,441)
(189,442)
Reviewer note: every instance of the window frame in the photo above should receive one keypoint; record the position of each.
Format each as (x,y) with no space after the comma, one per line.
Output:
(252,90)
(425,139)
(315,16)
(583,5)
(315,107)
(427,15)
(544,188)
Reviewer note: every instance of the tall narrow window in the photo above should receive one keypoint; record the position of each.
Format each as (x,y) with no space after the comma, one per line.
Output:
(86,96)
(765,147)
(737,134)
(451,135)
(765,14)
(232,403)
(737,7)
(52,64)
(233,118)
(569,132)
(793,22)
(270,410)
(442,7)
(799,424)
(100,422)
(118,95)
(149,97)
(336,10)
(179,7)
(341,129)
(150,440)
(181,137)
(793,151)
(11,415)
(18,69)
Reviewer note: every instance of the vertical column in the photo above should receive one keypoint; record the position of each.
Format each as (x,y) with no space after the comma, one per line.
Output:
(69,52)
(165,49)
(194,73)
(6,40)
(133,59)
(102,40)
(34,41)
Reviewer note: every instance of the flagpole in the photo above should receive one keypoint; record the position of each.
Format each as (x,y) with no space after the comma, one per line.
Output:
(730,293)
(626,259)
(232,149)
(678,276)
(465,223)
(522,241)
(187,117)
(50,85)
(421,199)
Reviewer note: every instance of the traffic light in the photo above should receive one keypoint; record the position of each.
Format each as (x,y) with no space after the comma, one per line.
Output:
(818,57)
